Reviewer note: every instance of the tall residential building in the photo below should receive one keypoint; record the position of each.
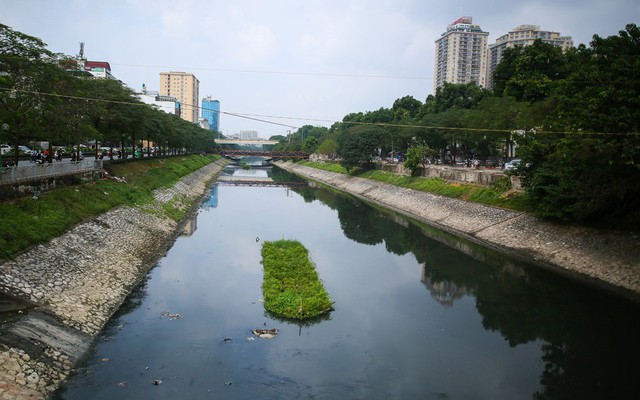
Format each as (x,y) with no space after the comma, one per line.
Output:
(211,111)
(523,35)
(461,54)
(186,88)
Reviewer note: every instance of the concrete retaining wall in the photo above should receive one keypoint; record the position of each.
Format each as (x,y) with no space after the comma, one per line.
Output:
(75,283)
(607,259)
(485,177)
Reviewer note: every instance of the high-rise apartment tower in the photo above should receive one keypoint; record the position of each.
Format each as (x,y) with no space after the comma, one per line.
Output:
(461,54)
(185,87)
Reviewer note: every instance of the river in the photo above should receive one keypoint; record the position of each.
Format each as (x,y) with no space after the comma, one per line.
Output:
(418,314)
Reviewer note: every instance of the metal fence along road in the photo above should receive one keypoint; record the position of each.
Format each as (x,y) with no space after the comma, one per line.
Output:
(34,172)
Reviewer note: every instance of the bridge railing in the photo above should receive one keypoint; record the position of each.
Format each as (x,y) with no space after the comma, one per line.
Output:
(34,172)
(263,153)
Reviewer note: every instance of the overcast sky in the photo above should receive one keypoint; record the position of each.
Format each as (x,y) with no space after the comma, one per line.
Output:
(292,62)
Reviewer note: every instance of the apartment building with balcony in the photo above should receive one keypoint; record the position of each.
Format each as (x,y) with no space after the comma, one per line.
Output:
(461,54)
(186,88)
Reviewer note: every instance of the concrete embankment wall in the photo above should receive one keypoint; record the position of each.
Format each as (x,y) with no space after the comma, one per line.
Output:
(606,259)
(484,177)
(77,281)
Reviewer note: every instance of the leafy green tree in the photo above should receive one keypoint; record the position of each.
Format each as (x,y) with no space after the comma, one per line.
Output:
(592,173)
(328,147)
(415,157)
(358,144)
(405,108)
(456,96)
(310,144)
(25,63)
(530,73)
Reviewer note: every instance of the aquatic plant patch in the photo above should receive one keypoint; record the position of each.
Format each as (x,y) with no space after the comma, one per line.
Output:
(291,286)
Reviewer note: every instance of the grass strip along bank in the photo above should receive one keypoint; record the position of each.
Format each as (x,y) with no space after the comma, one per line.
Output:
(498,195)
(291,287)
(30,221)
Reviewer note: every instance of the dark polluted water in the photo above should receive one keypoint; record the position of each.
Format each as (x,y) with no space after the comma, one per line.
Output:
(418,314)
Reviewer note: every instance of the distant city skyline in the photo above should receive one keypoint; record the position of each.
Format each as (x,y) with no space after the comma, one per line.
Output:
(292,64)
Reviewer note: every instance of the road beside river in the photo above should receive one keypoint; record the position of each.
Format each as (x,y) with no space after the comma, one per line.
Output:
(609,260)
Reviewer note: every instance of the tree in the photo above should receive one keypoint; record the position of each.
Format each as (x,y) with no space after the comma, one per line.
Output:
(357,145)
(328,147)
(405,108)
(592,173)
(310,144)
(415,157)
(24,65)
(530,73)
(456,96)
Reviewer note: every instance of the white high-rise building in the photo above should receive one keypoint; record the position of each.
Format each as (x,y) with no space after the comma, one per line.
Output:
(461,54)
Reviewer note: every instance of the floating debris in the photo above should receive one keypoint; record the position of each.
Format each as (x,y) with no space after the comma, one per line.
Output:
(171,316)
(105,359)
(251,338)
(228,383)
(265,333)
(226,340)
(122,384)
(156,382)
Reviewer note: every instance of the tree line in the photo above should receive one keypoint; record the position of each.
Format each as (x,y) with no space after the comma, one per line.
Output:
(573,118)
(41,100)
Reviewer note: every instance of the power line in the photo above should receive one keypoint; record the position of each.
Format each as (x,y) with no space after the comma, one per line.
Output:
(381,124)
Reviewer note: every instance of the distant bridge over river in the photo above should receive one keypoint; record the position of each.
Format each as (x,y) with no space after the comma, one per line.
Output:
(267,154)
(247,142)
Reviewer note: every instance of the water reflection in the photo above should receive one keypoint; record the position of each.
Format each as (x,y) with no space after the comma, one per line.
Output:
(190,226)
(418,314)
(588,336)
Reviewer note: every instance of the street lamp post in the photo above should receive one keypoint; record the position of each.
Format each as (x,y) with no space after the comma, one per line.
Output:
(5,127)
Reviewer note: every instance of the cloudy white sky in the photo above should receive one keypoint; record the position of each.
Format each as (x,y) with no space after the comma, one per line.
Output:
(291,62)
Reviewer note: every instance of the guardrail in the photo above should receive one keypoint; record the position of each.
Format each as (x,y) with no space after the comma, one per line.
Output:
(34,172)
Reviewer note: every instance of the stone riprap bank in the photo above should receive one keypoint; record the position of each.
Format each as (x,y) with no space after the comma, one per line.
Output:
(77,281)
(603,258)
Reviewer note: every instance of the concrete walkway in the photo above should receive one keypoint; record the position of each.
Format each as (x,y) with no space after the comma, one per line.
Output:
(606,259)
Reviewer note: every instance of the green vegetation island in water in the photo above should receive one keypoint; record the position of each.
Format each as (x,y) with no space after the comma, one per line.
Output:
(291,286)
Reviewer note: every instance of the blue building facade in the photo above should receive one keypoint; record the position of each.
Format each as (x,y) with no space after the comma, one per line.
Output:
(211,111)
